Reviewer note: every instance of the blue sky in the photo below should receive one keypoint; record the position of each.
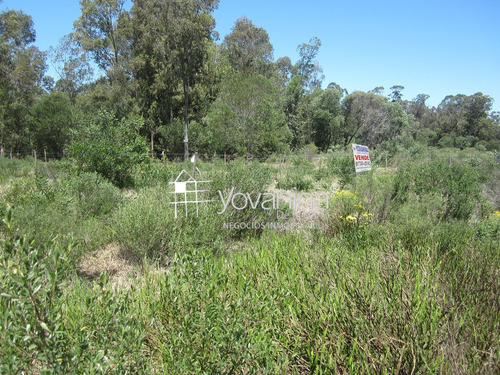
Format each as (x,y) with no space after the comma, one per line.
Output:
(435,47)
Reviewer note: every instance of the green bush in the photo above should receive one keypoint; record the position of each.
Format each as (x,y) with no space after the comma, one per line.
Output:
(145,224)
(31,281)
(110,147)
(11,168)
(51,322)
(295,182)
(458,184)
(446,141)
(91,194)
(342,165)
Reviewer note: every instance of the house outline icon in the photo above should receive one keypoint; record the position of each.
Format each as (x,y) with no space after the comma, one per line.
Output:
(182,188)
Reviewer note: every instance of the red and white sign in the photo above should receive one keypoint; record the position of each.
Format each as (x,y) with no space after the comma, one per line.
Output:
(361,158)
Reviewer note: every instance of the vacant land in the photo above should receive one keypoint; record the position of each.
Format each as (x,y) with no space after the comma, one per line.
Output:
(400,272)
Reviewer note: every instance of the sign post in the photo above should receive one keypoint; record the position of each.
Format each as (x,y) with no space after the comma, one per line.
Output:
(361,158)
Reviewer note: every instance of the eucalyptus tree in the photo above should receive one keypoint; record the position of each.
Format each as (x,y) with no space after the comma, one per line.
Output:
(247,117)
(248,49)
(170,45)
(308,67)
(98,31)
(371,118)
(22,68)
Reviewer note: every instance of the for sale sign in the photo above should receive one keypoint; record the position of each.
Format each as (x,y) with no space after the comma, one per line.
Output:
(361,158)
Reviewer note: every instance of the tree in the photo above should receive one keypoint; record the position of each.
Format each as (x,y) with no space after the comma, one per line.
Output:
(71,64)
(396,95)
(22,68)
(97,31)
(336,86)
(170,46)
(371,119)
(326,118)
(284,68)
(418,109)
(50,121)
(307,67)
(463,115)
(248,49)
(103,31)
(246,118)
(294,108)
(379,90)
(109,146)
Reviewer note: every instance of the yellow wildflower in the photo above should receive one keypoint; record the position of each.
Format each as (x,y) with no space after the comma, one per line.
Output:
(344,193)
(350,218)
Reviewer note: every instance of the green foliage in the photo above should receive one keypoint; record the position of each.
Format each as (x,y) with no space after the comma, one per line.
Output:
(457,184)
(92,195)
(49,325)
(426,137)
(326,308)
(110,147)
(341,164)
(50,120)
(12,168)
(465,116)
(62,203)
(308,69)
(247,48)
(295,182)
(371,119)
(22,68)
(180,34)
(326,118)
(31,281)
(246,117)
(146,223)
(349,219)
(99,31)
(392,283)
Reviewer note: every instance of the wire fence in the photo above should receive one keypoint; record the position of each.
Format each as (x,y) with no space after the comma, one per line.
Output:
(162,156)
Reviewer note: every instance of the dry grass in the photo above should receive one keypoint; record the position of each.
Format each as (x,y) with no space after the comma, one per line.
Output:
(121,265)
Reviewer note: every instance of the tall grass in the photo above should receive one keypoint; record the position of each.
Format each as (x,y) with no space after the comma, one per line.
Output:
(404,280)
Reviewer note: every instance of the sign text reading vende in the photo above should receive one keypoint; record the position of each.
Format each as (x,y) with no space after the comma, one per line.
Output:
(361,158)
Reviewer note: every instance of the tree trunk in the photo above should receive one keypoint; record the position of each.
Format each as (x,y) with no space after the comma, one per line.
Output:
(152,143)
(186,107)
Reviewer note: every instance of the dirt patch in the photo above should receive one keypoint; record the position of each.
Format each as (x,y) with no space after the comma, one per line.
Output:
(122,266)
(130,194)
(308,206)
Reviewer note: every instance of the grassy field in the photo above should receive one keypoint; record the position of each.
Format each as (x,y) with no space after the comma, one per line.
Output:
(401,274)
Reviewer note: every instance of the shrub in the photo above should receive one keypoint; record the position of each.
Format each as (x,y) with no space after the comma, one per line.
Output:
(110,147)
(145,224)
(295,182)
(310,151)
(458,184)
(342,165)
(53,323)
(92,195)
(30,280)
(349,218)
(446,141)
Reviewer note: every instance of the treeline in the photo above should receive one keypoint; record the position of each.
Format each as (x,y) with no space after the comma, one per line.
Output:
(159,71)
